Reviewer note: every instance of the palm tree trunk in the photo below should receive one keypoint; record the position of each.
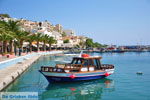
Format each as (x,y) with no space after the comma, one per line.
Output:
(30,46)
(21,44)
(37,46)
(11,46)
(4,47)
(44,47)
(15,48)
(20,49)
(49,47)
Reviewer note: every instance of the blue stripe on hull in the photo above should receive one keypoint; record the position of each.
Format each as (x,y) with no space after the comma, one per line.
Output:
(68,79)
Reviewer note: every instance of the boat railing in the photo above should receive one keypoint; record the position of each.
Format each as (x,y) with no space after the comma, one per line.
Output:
(51,69)
(72,66)
(61,68)
(69,66)
(107,66)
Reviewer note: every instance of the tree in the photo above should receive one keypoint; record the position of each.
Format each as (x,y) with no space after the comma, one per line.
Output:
(13,27)
(30,39)
(5,38)
(51,41)
(21,36)
(66,41)
(89,43)
(6,35)
(97,45)
(38,39)
(5,15)
(44,40)
(64,34)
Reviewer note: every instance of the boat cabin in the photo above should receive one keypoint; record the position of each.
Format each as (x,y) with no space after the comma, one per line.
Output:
(87,63)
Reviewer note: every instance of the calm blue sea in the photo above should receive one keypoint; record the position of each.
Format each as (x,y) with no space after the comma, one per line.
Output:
(124,84)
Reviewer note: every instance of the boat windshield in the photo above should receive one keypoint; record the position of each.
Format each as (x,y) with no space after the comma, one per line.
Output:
(88,62)
(76,61)
(97,63)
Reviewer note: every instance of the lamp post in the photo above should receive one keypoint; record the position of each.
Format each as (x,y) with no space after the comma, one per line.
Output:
(15,43)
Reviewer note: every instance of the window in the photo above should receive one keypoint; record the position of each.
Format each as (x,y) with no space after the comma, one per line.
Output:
(76,61)
(90,62)
(85,63)
(97,63)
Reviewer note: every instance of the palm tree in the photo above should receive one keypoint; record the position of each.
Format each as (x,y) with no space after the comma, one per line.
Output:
(38,39)
(51,41)
(44,40)
(30,39)
(5,38)
(5,35)
(13,27)
(21,36)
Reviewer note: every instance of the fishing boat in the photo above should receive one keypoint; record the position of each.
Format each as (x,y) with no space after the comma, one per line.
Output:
(81,68)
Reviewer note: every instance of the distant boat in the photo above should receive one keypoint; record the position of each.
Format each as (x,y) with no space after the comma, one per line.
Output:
(73,53)
(118,51)
(81,68)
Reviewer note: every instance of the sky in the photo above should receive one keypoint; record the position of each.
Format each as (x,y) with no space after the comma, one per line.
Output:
(112,22)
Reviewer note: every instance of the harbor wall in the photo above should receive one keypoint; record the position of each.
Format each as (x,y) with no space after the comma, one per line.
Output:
(10,73)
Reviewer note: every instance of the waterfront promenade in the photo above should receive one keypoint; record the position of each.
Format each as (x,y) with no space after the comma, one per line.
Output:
(12,68)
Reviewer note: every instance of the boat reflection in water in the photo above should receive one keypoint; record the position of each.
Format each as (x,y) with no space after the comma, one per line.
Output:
(78,90)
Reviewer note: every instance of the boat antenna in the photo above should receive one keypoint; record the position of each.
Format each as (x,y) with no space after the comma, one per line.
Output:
(81,53)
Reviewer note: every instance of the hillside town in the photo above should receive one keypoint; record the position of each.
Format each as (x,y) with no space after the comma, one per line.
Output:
(64,37)
(22,35)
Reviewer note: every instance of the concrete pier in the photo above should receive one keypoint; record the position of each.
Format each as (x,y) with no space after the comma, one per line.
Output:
(12,69)
(9,74)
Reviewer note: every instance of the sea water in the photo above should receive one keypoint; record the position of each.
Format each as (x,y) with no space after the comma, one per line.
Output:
(124,84)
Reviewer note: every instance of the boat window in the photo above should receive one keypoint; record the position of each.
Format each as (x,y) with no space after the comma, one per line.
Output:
(97,63)
(85,63)
(76,61)
(73,61)
(79,61)
(90,62)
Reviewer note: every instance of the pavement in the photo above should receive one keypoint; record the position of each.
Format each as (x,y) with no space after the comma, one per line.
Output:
(11,56)
(9,74)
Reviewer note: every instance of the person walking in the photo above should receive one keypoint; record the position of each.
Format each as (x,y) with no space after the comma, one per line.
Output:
(20,50)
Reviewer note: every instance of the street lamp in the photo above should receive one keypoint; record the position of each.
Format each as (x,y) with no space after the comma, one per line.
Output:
(15,42)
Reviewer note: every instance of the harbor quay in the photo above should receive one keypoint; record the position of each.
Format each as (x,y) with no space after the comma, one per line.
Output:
(13,68)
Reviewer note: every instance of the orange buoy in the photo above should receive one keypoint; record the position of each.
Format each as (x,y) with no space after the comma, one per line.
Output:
(85,55)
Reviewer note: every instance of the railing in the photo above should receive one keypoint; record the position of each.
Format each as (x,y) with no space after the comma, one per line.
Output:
(72,67)
(62,68)
(51,69)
